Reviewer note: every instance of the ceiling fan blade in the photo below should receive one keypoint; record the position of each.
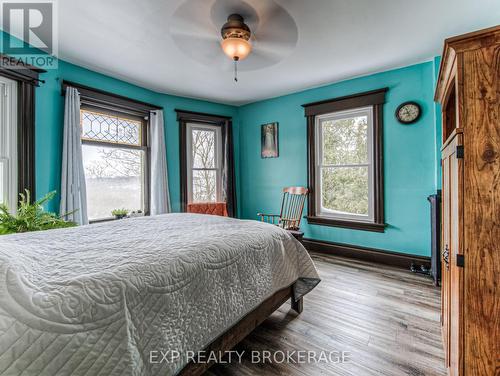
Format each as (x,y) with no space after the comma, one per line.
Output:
(262,59)
(190,18)
(277,28)
(272,47)
(204,50)
(193,36)
(256,60)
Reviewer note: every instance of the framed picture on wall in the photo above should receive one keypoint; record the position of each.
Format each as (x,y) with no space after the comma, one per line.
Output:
(269,140)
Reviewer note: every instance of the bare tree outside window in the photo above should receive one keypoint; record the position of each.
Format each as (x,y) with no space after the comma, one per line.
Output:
(204,161)
(204,165)
(113,164)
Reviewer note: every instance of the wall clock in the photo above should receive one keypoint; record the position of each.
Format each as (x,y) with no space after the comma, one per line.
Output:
(408,112)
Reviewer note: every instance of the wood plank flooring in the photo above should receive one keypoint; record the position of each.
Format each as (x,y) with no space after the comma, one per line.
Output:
(387,319)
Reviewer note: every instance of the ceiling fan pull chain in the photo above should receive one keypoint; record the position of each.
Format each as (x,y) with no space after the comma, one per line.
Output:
(235,70)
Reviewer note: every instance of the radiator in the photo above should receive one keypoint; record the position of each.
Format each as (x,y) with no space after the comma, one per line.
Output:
(435,201)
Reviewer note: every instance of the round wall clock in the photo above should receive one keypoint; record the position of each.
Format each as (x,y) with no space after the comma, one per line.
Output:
(408,112)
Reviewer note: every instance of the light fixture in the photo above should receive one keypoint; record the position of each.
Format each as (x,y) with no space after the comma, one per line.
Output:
(236,40)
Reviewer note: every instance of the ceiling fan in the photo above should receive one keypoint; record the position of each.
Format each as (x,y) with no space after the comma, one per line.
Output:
(261,32)
(235,40)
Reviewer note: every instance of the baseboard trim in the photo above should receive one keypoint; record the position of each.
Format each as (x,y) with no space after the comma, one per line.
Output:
(401,260)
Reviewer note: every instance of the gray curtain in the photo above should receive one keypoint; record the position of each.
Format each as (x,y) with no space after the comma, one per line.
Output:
(73,191)
(228,174)
(160,196)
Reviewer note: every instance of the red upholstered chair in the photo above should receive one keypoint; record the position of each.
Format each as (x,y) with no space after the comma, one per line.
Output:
(212,208)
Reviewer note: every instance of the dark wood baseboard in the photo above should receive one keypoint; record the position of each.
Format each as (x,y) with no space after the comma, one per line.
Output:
(380,256)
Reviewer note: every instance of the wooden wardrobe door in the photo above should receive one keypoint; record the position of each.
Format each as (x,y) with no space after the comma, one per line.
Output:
(481,101)
(445,272)
(456,259)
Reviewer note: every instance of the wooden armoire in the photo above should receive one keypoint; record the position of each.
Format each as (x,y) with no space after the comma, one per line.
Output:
(469,93)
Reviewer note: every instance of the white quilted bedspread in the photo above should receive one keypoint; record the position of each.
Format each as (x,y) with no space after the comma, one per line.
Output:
(95,300)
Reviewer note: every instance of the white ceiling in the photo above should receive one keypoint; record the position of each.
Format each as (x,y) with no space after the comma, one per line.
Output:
(337,39)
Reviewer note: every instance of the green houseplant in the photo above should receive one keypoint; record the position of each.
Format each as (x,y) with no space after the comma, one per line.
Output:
(30,216)
(119,213)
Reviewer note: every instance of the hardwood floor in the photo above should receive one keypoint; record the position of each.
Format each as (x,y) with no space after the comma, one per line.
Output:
(386,319)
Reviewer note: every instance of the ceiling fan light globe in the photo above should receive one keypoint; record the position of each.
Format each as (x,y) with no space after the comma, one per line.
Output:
(236,48)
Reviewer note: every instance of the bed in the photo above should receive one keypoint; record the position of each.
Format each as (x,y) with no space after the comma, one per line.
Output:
(107,299)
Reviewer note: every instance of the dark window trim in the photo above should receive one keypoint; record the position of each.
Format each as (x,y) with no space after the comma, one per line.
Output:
(20,71)
(184,117)
(368,98)
(110,101)
(27,78)
(98,100)
(201,117)
(375,98)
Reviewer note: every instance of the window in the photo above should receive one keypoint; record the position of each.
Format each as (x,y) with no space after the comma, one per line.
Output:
(206,160)
(8,143)
(345,155)
(115,154)
(344,169)
(18,172)
(204,154)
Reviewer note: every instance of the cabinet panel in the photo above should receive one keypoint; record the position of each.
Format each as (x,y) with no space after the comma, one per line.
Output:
(445,272)
(452,289)
(455,268)
(481,99)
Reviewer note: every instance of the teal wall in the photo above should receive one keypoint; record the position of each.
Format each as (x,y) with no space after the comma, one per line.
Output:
(49,123)
(438,121)
(409,158)
(411,153)
(49,104)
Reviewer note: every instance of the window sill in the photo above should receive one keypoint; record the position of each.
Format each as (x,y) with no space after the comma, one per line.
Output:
(354,225)
(101,220)
(109,219)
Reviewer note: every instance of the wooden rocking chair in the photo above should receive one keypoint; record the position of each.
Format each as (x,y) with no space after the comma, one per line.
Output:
(292,205)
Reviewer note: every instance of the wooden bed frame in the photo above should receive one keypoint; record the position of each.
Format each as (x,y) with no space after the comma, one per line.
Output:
(244,327)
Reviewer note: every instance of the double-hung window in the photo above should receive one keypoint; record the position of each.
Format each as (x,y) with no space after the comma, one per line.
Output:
(207,179)
(8,144)
(115,159)
(204,161)
(344,168)
(345,161)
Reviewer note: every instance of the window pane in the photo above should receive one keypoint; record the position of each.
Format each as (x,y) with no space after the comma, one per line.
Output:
(345,140)
(108,128)
(345,189)
(4,182)
(203,149)
(114,179)
(204,185)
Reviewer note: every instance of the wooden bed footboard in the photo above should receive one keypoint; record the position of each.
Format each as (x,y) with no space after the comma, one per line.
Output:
(244,327)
